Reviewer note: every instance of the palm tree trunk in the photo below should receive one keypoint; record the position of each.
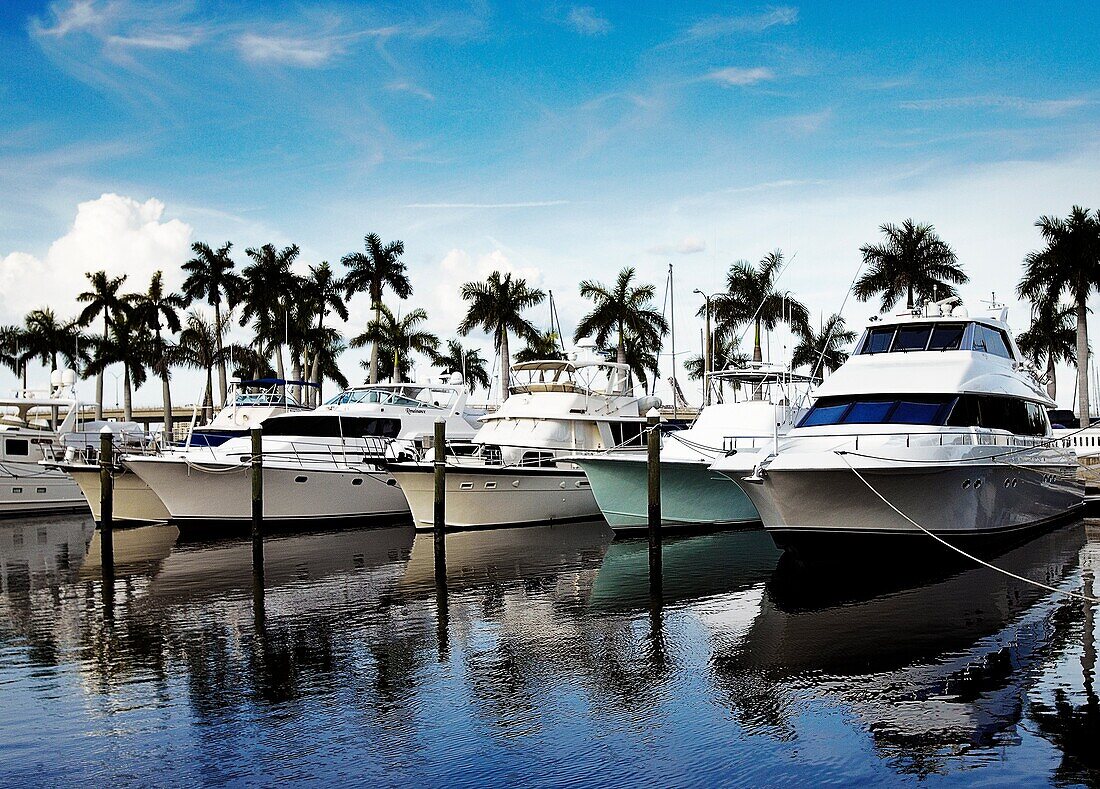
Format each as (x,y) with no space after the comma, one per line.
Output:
(1052,383)
(222,386)
(909,297)
(99,395)
(296,374)
(505,366)
(757,354)
(620,356)
(1082,358)
(208,397)
(127,395)
(374,346)
(166,396)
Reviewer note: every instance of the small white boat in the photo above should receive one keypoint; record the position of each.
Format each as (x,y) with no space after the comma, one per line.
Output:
(522,472)
(30,428)
(320,465)
(934,424)
(766,402)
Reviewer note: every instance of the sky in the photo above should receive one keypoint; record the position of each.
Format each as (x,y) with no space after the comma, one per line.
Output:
(558,141)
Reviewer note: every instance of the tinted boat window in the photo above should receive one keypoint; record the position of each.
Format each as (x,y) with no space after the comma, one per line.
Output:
(330,426)
(868,413)
(878,340)
(912,338)
(990,340)
(911,412)
(823,415)
(946,337)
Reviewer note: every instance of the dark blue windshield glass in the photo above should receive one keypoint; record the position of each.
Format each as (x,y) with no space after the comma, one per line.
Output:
(824,415)
(868,413)
(908,412)
(946,337)
(904,410)
(878,340)
(912,338)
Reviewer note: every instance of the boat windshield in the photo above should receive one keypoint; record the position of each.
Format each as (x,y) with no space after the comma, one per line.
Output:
(410,396)
(1022,417)
(247,399)
(942,336)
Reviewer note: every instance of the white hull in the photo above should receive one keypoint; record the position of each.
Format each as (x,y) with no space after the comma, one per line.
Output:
(488,497)
(133,500)
(808,495)
(219,491)
(28,489)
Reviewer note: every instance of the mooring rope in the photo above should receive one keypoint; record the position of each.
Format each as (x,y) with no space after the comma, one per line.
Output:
(957,550)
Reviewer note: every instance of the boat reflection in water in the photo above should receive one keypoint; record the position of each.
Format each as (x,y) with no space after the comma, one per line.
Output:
(933,671)
(543,656)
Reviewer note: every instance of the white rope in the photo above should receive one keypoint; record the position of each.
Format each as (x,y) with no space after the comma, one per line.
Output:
(960,551)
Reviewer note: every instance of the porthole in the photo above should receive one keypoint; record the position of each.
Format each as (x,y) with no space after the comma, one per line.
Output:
(977,484)
(466,486)
(1014,481)
(357,481)
(1008,483)
(391,482)
(580,483)
(966,484)
(16,490)
(300,479)
(562,484)
(39,490)
(490,485)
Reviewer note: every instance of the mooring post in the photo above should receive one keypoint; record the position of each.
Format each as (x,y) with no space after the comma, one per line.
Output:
(257,504)
(106,500)
(653,444)
(439,522)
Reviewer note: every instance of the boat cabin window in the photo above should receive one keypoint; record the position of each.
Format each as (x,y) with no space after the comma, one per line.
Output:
(626,432)
(887,409)
(17,447)
(332,426)
(1021,417)
(878,340)
(990,340)
(912,338)
(946,337)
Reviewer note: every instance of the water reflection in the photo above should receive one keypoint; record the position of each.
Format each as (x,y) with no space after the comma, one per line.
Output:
(543,654)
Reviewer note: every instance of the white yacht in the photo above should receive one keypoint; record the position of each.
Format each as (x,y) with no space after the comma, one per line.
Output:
(30,426)
(247,405)
(935,421)
(765,403)
(521,473)
(320,465)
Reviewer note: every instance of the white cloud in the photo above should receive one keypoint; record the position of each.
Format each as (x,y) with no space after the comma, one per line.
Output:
(78,15)
(528,204)
(688,245)
(718,26)
(586,21)
(735,76)
(404,86)
(459,267)
(1042,108)
(118,234)
(174,42)
(289,50)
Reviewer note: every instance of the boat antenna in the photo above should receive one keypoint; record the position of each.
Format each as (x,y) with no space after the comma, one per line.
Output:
(671,290)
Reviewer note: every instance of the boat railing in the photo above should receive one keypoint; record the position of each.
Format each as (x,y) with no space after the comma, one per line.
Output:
(943,438)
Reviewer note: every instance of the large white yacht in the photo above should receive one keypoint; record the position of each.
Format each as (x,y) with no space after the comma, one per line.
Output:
(935,415)
(30,426)
(521,473)
(247,405)
(765,402)
(320,465)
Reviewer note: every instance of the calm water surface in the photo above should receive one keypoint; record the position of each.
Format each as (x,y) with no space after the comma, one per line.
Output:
(543,662)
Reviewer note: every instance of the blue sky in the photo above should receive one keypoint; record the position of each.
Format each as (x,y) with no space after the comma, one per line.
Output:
(558,140)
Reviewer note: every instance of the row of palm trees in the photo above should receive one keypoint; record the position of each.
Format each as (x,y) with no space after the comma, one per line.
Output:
(151,332)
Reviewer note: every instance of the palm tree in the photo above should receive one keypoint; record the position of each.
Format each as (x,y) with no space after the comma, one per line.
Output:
(397,338)
(913,260)
(497,305)
(128,344)
(623,311)
(1069,263)
(467,361)
(103,298)
(45,337)
(823,349)
(727,355)
(379,268)
(12,350)
(544,345)
(751,297)
(326,351)
(1050,339)
(269,287)
(153,311)
(210,276)
(323,294)
(201,348)
(639,358)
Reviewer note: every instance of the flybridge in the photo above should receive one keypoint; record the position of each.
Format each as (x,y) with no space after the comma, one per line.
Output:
(939,327)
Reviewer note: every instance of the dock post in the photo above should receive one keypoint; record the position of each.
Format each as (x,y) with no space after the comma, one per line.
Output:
(439,522)
(106,500)
(653,466)
(257,505)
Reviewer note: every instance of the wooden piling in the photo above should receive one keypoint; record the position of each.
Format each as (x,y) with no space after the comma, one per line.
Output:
(653,466)
(439,522)
(106,500)
(257,503)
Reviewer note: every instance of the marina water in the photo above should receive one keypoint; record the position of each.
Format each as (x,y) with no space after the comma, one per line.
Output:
(544,661)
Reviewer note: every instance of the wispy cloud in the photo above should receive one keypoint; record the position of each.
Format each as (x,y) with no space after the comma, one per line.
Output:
(768,186)
(289,50)
(176,42)
(1044,108)
(404,86)
(734,76)
(78,15)
(528,204)
(720,26)
(587,22)
(689,245)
